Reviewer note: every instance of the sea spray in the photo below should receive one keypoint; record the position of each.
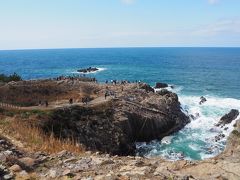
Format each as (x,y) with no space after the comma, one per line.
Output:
(198,139)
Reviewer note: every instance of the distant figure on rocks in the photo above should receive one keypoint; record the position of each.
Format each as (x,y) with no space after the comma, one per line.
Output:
(105,95)
(202,100)
(71,101)
(106,81)
(39,103)
(46,103)
(86,100)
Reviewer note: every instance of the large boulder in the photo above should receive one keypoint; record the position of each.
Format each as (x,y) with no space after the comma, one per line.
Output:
(93,127)
(161,85)
(157,117)
(228,118)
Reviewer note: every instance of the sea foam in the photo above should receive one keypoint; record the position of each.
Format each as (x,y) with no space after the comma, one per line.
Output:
(198,139)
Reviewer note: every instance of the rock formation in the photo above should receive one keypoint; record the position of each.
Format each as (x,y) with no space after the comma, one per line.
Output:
(115,125)
(228,118)
(88,70)
(161,85)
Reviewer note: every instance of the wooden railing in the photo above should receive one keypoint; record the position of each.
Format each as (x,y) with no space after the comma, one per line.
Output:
(9,106)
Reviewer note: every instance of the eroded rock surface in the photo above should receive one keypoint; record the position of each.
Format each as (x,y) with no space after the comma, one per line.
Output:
(113,126)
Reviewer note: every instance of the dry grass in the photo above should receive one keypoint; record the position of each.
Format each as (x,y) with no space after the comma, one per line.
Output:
(34,139)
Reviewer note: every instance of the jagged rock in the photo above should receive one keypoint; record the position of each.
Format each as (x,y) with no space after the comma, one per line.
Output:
(66,172)
(52,173)
(161,85)
(133,170)
(15,168)
(228,118)
(162,92)
(87,70)
(27,163)
(24,174)
(146,87)
(202,100)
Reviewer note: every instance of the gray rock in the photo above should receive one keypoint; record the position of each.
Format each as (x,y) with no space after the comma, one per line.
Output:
(7,176)
(52,173)
(15,168)
(228,118)
(161,85)
(66,172)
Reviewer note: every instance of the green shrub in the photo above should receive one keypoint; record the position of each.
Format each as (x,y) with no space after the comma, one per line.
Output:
(12,77)
(236,133)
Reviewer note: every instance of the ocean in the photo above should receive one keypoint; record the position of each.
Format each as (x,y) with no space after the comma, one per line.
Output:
(194,72)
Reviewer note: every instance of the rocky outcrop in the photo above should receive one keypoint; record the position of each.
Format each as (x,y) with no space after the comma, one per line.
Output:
(114,127)
(95,128)
(228,118)
(88,70)
(202,100)
(161,85)
(154,117)
(146,87)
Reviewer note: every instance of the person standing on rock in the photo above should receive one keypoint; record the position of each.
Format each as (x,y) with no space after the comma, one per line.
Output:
(106,94)
(46,103)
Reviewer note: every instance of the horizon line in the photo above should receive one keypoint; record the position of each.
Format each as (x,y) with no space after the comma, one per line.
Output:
(120,47)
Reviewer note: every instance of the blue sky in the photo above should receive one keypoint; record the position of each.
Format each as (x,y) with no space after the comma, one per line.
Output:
(27,24)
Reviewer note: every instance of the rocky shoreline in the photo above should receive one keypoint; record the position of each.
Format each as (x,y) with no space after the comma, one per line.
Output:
(108,125)
(18,164)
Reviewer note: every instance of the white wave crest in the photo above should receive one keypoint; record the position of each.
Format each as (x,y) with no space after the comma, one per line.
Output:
(198,139)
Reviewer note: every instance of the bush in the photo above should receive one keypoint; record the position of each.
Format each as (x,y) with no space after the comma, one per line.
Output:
(236,133)
(12,77)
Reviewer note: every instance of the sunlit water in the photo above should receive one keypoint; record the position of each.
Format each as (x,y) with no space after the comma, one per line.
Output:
(194,72)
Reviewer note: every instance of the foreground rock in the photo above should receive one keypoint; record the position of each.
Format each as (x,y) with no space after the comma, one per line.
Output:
(228,118)
(88,165)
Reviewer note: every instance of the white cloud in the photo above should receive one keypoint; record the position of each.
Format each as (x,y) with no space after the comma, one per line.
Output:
(226,27)
(128,1)
(213,1)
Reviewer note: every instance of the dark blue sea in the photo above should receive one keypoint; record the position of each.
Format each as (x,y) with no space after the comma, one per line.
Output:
(194,72)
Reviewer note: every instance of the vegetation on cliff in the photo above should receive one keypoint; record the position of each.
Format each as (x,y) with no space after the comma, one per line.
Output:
(13,77)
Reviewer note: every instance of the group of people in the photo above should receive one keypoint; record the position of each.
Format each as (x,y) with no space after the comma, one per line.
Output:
(76,77)
(122,82)
(85,100)
(110,93)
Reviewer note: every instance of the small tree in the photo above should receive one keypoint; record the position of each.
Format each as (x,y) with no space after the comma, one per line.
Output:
(13,77)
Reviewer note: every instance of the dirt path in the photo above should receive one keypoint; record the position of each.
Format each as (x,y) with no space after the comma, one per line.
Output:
(55,105)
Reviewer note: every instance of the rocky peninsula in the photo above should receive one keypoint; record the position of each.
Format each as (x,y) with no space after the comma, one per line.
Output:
(88,130)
